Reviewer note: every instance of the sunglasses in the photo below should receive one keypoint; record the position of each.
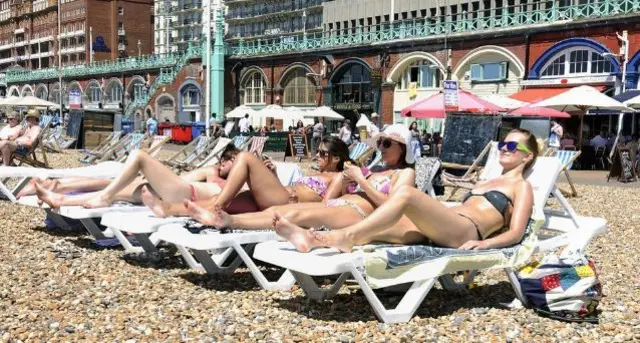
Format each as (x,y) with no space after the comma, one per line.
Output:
(385,143)
(323,153)
(513,146)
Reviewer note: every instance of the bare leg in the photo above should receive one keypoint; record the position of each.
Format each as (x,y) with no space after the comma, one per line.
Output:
(168,185)
(434,220)
(264,185)
(82,185)
(7,148)
(263,219)
(56,200)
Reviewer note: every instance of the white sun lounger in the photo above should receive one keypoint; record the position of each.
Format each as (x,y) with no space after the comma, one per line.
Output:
(143,224)
(324,262)
(104,170)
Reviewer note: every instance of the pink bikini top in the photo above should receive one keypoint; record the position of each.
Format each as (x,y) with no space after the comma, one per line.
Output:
(381,184)
(315,183)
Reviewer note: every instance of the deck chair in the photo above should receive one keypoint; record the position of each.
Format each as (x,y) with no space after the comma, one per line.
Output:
(383,266)
(195,150)
(568,157)
(257,144)
(214,155)
(491,169)
(122,149)
(242,142)
(30,158)
(108,143)
(360,152)
(156,143)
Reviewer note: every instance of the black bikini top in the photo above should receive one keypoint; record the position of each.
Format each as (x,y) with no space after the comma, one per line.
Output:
(497,199)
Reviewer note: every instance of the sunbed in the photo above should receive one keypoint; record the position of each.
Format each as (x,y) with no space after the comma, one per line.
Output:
(122,149)
(104,146)
(198,247)
(143,225)
(192,152)
(383,266)
(360,152)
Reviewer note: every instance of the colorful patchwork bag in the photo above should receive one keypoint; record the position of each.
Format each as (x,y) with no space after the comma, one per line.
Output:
(565,288)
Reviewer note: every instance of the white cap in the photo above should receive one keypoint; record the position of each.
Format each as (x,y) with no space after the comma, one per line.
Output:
(399,133)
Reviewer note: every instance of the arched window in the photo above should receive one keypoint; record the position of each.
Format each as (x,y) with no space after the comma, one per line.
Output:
(114,92)
(14,92)
(424,73)
(190,95)
(94,93)
(298,88)
(579,61)
(353,85)
(254,89)
(27,92)
(41,93)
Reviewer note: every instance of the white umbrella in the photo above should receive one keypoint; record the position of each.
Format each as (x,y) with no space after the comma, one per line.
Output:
(241,111)
(324,112)
(288,114)
(8,100)
(633,102)
(32,101)
(581,99)
(504,101)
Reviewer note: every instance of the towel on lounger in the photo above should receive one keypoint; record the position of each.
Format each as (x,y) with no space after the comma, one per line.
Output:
(388,265)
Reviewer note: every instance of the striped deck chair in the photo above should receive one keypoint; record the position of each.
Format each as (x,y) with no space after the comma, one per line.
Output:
(30,157)
(568,157)
(108,143)
(257,144)
(156,143)
(119,152)
(241,142)
(214,155)
(491,169)
(360,152)
(190,154)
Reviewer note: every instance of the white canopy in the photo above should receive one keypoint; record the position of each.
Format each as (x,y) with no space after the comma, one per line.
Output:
(504,101)
(9,100)
(582,99)
(324,112)
(286,114)
(633,102)
(240,111)
(32,101)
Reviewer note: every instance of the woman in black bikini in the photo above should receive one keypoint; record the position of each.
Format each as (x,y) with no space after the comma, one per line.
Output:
(410,215)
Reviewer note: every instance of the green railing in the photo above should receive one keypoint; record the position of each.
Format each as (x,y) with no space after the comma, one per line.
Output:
(483,20)
(103,67)
(166,76)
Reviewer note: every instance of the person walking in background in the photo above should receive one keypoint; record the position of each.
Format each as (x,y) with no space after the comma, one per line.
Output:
(555,134)
(345,132)
(318,131)
(244,124)
(152,126)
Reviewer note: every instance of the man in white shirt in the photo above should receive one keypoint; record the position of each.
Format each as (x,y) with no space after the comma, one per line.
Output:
(555,134)
(318,132)
(598,140)
(244,124)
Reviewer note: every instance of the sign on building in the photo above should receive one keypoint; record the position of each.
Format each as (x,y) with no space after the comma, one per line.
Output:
(450,95)
(75,98)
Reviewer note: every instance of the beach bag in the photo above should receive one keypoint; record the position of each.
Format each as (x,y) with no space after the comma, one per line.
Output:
(565,288)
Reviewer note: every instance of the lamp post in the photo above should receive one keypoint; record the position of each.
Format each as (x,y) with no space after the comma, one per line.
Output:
(624,55)
(304,23)
(139,48)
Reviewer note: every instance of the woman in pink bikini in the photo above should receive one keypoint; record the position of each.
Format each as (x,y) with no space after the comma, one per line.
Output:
(352,196)
(264,188)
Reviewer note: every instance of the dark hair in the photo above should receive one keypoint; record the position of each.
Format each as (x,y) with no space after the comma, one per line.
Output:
(299,124)
(339,149)
(531,143)
(229,152)
(411,125)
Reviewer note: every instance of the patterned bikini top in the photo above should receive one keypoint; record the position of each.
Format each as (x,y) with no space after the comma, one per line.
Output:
(381,184)
(315,183)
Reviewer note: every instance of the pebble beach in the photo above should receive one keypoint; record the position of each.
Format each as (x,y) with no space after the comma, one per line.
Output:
(60,287)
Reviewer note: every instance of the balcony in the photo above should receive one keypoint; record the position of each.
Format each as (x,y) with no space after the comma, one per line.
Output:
(19,43)
(40,40)
(6,46)
(503,19)
(7,60)
(121,32)
(19,31)
(42,55)
(72,33)
(39,5)
(122,47)
(5,15)
(73,49)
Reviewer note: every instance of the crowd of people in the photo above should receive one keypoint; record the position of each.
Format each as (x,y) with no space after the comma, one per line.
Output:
(357,204)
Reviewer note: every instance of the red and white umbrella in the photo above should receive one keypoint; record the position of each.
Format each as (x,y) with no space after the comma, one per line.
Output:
(433,107)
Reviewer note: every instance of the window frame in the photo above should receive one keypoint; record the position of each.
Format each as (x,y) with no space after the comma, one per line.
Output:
(568,64)
(504,72)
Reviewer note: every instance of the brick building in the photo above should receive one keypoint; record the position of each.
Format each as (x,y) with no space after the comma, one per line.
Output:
(116,28)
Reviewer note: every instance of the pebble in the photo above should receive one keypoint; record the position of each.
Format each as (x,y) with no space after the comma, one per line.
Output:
(59,287)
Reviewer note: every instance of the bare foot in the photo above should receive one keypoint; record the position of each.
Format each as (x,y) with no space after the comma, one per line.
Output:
(97,202)
(156,205)
(52,199)
(218,219)
(29,189)
(334,239)
(302,239)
